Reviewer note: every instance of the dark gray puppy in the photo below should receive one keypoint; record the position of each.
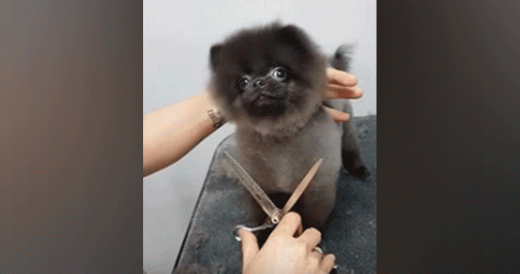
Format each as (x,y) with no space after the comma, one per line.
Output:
(270,81)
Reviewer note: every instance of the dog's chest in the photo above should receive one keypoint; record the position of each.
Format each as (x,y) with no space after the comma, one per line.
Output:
(279,165)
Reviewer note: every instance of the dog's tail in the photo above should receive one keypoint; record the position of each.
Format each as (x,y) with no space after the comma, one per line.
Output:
(342,57)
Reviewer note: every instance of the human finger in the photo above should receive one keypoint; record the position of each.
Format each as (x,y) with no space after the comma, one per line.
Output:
(318,249)
(291,224)
(327,264)
(311,236)
(314,260)
(338,116)
(340,77)
(249,247)
(346,92)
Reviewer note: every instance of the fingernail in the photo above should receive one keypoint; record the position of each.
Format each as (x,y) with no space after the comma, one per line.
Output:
(334,257)
(237,237)
(344,117)
(236,233)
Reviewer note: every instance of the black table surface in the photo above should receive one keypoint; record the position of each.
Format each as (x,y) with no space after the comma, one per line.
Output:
(209,245)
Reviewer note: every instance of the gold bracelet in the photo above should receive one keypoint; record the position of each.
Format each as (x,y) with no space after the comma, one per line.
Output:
(216,117)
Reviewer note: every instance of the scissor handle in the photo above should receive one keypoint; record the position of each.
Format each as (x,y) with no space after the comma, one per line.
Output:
(251,229)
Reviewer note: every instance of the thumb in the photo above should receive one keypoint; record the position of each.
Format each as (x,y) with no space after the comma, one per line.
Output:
(249,247)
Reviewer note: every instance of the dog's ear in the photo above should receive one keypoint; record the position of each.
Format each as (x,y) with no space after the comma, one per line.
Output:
(215,53)
(294,37)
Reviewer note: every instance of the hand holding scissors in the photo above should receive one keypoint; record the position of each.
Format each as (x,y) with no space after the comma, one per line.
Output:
(300,249)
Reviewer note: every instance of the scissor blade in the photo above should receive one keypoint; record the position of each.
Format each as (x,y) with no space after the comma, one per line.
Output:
(301,187)
(254,189)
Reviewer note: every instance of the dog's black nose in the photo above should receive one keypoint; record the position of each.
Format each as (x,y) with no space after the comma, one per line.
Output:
(260,83)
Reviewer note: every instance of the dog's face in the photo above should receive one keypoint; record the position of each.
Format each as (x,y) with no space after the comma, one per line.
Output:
(266,94)
(267,74)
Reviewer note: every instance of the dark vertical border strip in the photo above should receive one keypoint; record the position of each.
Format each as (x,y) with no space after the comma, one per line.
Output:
(448,136)
(71,113)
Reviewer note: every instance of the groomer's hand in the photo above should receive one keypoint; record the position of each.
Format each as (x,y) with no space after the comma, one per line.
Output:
(285,251)
(341,85)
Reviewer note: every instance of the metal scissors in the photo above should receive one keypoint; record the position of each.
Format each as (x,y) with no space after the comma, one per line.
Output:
(274,214)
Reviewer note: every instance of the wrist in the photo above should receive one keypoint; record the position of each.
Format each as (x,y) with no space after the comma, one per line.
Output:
(216,117)
(212,111)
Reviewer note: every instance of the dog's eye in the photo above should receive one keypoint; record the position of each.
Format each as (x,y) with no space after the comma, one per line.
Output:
(243,82)
(279,74)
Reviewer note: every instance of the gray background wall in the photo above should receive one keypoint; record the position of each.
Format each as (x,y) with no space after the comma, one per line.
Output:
(177,36)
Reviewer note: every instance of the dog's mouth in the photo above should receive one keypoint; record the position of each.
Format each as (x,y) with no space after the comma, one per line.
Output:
(269,96)
(267,104)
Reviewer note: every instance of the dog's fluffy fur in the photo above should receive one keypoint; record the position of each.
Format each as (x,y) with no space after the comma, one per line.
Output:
(270,81)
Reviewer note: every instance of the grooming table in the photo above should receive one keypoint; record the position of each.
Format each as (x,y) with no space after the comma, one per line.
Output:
(209,245)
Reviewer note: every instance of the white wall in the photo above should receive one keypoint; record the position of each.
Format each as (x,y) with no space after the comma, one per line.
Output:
(177,36)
